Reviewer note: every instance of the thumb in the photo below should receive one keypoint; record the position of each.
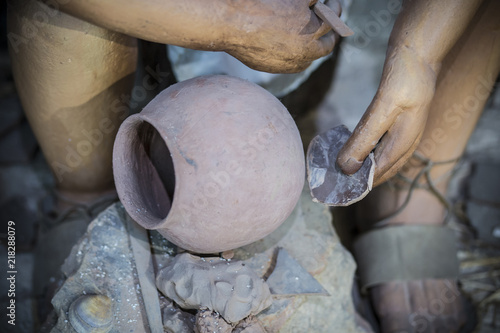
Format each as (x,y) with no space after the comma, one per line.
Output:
(370,129)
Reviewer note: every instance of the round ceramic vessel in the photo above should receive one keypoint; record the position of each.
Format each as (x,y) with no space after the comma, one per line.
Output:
(212,163)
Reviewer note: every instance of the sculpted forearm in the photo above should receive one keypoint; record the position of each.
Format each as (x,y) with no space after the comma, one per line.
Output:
(267,35)
(430,28)
(196,24)
(424,33)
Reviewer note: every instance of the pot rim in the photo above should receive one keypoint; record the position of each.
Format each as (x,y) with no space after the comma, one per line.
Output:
(132,195)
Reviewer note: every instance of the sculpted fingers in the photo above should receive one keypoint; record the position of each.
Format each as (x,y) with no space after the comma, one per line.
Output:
(380,178)
(287,42)
(372,126)
(322,46)
(323,30)
(397,146)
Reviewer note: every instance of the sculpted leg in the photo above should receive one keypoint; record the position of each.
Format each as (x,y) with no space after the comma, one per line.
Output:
(73,79)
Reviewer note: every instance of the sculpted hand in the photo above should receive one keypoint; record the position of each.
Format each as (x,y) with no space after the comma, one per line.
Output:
(278,35)
(394,122)
(423,34)
(269,35)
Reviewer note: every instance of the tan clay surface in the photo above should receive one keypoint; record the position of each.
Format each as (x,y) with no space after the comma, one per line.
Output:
(260,33)
(70,77)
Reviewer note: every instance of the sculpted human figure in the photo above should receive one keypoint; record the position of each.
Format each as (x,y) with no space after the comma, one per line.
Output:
(74,63)
(442,61)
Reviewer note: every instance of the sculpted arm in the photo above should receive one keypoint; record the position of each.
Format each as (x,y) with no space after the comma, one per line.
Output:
(393,124)
(270,35)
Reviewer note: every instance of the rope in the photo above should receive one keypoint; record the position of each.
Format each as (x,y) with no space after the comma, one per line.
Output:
(431,186)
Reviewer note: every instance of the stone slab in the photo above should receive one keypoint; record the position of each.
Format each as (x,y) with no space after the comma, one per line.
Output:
(102,263)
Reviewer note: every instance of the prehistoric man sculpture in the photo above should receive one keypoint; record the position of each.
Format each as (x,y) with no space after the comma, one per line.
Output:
(74,70)
(442,61)
(74,64)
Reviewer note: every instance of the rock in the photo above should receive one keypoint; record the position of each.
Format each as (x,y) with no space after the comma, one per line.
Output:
(290,278)
(208,321)
(328,183)
(249,325)
(225,286)
(308,236)
(102,264)
(177,321)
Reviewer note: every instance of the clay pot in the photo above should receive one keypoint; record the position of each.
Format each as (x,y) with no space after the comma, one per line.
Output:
(225,153)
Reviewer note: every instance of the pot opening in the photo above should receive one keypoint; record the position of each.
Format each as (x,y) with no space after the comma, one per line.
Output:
(156,168)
